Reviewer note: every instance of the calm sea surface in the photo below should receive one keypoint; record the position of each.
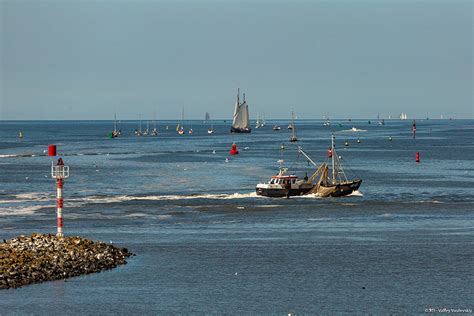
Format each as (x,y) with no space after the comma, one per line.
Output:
(205,243)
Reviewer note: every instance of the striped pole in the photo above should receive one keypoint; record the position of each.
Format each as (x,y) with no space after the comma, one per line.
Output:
(59,205)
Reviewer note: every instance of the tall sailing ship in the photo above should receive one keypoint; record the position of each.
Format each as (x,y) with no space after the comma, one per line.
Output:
(241,121)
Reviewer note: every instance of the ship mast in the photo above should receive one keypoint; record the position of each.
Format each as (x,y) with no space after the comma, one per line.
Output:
(293,130)
(333,154)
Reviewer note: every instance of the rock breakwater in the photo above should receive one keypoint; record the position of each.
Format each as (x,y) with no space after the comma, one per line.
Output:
(39,258)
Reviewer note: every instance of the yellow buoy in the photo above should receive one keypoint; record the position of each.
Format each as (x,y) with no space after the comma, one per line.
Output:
(21,135)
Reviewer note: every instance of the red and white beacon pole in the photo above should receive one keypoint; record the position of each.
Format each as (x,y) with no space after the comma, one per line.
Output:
(59,172)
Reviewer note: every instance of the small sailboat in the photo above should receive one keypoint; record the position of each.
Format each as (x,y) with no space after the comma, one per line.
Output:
(116,132)
(138,132)
(327,122)
(403,116)
(264,122)
(210,130)
(207,119)
(258,123)
(145,132)
(180,128)
(241,121)
(293,137)
(154,131)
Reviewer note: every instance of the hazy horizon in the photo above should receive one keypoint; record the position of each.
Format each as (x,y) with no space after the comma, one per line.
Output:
(80,60)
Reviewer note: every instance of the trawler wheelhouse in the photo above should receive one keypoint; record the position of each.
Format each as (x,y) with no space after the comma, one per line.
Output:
(283,185)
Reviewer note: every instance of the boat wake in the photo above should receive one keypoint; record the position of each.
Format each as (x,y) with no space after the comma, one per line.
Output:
(22,211)
(355,130)
(126,198)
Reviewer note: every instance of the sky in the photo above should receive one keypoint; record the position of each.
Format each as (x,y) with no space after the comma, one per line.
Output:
(337,58)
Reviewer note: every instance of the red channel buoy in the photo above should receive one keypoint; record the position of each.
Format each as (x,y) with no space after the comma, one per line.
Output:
(233,150)
(417,157)
(51,150)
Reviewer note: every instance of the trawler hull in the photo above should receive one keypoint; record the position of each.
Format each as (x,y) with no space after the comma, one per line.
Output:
(275,192)
(240,130)
(340,189)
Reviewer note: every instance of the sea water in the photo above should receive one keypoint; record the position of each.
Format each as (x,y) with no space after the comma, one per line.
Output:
(206,243)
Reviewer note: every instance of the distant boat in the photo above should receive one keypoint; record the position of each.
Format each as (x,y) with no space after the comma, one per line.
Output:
(138,132)
(276,128)
(145,132)
(206,117)
(293,137)
(403,116)
(154,131)
(180,128)
(259,123)
(241,121)
(327,122)
(210,130)
(115,133)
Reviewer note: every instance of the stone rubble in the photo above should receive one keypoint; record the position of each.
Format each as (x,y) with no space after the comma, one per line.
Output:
(38,258)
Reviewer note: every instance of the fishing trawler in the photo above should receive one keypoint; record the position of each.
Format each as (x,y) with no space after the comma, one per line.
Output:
(338,185)
(284,185)
(241,121)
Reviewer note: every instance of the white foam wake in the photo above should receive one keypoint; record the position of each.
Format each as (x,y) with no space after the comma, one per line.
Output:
(125,198)
(21,211)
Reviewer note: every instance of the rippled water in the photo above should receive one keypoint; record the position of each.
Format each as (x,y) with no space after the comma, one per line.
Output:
(205,243)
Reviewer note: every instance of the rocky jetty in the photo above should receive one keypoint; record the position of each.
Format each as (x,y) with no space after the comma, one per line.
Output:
(39,258)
